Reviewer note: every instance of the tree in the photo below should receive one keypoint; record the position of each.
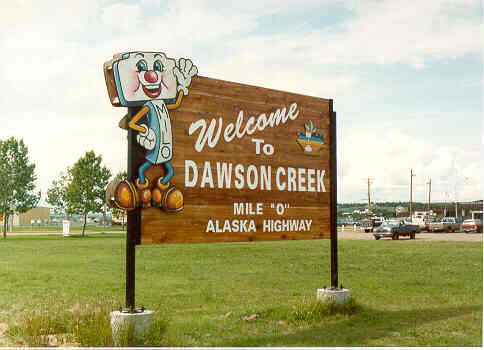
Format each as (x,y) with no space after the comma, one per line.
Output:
(57,195)
(17,180)
(117,212)
(86,191)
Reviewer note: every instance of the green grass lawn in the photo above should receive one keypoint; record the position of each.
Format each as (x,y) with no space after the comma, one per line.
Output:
(407,293)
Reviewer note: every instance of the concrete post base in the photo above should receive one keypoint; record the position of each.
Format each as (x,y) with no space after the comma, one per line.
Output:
(138,323)
(333,295)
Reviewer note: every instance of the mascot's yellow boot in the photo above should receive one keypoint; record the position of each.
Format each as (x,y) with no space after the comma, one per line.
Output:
(125,195)
(122,194)
(167,197)
(144,193)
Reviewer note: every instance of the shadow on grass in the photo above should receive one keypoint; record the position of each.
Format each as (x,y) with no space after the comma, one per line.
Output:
(368,325)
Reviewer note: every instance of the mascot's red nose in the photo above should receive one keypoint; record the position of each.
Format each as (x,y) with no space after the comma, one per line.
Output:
(151,76)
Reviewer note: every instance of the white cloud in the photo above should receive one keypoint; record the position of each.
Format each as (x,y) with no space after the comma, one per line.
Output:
(53,18)
(387,154)
(382,33)
(399,31)
(252,8)
(122,17)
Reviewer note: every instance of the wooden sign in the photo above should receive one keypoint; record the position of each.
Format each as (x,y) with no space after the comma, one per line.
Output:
(221,161)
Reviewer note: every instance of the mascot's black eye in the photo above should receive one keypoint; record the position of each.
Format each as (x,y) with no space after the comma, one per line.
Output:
(158,66)
(142,65)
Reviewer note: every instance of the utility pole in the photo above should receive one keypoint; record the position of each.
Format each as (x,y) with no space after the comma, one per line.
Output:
(369,180)
(369,203)
(430,189)
(411,187)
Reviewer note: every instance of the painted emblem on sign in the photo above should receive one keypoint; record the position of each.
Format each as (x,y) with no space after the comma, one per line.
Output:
(158,84)
(310,141)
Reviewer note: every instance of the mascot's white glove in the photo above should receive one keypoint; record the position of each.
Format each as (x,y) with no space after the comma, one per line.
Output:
(184,71)
(147,139)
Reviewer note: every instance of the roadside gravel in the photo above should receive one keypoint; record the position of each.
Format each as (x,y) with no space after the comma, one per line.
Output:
(454,237)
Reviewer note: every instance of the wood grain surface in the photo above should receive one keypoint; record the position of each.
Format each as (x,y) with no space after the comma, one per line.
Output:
(204,205)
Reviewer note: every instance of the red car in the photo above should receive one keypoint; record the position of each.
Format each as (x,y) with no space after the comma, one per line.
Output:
(474,225)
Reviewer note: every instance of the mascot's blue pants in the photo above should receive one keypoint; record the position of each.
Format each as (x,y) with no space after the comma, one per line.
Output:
(147,164)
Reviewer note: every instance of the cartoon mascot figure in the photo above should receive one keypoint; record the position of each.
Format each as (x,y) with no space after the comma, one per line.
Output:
(157,84)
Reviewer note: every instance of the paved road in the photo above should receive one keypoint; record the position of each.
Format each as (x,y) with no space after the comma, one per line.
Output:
(455,237)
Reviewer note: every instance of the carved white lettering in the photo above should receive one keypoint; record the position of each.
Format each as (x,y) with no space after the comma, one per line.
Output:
(225,175)
(207,176)
(238,208)
(281,186)
(211,135)
(291,179)
(291,225)
(190,165)
(311,180)
(301,179)
(252,179)
(247,209)
(320,177)
(239,176)
(268,225)
(205,136)
(265,178)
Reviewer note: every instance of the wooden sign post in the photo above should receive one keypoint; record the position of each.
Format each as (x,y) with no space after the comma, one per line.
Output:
(217,161)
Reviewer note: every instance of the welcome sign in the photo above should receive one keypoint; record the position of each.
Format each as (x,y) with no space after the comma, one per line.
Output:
(221,161)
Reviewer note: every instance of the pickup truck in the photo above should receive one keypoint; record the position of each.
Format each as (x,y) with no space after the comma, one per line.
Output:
(395,229)
(369,224)
(445,225)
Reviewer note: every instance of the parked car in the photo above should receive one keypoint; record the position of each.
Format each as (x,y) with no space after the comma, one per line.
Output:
(427,221)
(447,224)
(472,225)
(395,229)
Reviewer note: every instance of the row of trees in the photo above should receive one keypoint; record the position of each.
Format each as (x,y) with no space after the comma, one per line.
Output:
(78,190)
(81,188)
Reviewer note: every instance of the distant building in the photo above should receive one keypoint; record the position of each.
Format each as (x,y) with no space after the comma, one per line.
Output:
(35,216)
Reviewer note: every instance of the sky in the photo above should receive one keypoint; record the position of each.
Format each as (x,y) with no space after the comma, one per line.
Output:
(405,78)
